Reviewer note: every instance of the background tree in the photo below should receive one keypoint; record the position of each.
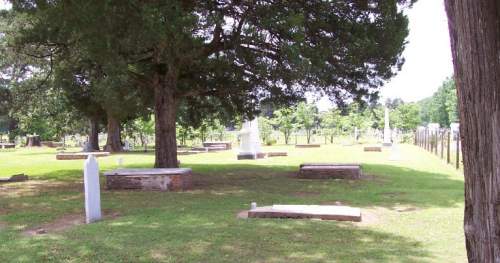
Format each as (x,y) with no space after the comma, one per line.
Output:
(441,107)
(475,46)
(265,129)
(237,53)
(284,120)
(306,116)
(330,123)
(406,117)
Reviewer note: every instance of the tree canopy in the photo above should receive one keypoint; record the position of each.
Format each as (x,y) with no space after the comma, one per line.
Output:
(228,55)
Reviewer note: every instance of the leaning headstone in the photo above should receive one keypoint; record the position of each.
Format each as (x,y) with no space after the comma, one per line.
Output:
(92,190)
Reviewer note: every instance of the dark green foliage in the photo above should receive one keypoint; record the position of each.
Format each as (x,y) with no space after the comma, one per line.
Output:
(442,106)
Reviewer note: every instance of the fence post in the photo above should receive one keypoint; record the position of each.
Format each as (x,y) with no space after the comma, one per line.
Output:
(458,151)
(436,143)
(448,148)
(442,143)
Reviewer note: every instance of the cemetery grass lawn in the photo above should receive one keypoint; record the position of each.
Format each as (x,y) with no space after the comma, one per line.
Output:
(412,211)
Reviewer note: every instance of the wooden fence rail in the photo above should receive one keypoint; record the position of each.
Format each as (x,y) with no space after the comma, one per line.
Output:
(440,142)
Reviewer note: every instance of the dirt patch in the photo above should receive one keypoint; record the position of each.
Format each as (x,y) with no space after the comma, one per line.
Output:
(306,193)
(372,216)
(64,223)
(392,194)
(405,208)
(242,214)
(332,203)
(34,187)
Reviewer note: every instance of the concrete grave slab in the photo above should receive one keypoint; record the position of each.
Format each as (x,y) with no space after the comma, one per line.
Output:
(348,171)
(80,155)
(324,212)
(311,145)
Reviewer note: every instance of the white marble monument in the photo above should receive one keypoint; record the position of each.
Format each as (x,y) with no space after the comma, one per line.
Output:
(387,129)
(250,141)
(92,190)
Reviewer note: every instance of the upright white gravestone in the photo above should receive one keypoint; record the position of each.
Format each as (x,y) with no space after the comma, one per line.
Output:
(387,129)
(395,153)
(250,141)
(126,146)
(92,190)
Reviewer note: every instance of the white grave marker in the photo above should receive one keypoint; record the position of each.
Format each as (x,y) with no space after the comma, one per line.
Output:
(387,129)
(92,190)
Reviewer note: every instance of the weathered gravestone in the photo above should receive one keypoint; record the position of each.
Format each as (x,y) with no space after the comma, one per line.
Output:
(92,190)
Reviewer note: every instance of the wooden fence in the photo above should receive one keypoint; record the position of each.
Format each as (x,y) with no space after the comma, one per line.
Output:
(443,143)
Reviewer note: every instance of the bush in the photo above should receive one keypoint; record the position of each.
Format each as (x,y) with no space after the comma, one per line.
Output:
(270,142)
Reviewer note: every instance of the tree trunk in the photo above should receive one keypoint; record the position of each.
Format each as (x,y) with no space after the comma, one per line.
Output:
(113,141)
(94,134)
(475,42)
(165,117)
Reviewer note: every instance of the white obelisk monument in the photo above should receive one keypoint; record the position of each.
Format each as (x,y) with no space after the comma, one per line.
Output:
(387,129)
(250,141)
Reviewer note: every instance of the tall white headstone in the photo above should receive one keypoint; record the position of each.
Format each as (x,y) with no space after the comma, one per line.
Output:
(250,147)
(92,190)
(387,129)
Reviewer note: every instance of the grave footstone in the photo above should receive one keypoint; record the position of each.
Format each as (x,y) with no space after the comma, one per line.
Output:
(92,190)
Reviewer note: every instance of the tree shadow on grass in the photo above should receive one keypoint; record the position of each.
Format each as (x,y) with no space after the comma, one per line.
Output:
(387,185)
(208,236)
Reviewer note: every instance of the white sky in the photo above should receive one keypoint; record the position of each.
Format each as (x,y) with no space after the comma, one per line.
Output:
(428,56)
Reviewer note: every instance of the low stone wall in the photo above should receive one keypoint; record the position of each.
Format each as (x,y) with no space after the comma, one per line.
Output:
(159,179)
(330,171)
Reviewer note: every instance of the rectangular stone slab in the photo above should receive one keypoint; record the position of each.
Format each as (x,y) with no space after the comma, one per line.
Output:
(307,145)
(330,164)
(156,179)
(7,146)
(350,172)
(80,155)
(226,144)
(372,149)
(324,212)
(275,154)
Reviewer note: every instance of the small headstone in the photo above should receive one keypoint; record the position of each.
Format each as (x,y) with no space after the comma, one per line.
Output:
(92,190)
(119,162)
(126,146)
(86,147)
(253,205)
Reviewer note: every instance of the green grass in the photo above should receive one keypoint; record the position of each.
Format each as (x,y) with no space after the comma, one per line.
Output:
(412,210)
